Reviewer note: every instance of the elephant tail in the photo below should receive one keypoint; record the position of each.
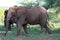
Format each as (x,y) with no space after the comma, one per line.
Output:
(49,23)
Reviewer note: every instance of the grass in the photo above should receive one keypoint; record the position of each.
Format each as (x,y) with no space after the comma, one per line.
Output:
(34,33)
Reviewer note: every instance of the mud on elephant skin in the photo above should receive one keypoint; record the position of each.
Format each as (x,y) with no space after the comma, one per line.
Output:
(33,15)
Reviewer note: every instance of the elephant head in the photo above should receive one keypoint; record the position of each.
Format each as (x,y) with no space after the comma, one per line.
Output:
(18,14)
(8,15)
(5,14)
(10,21)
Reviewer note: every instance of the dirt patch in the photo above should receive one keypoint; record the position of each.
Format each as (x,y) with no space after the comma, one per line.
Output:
(50,38)
(19,38)
(24,37)
(1,36)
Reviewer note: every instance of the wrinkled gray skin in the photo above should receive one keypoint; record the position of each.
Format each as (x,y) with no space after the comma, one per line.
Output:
(34,15)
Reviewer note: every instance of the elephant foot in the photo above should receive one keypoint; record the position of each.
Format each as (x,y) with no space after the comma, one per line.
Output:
(42,30)
(49,32)
(26,32)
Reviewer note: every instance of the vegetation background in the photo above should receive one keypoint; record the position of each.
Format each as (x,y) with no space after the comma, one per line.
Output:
(53,9)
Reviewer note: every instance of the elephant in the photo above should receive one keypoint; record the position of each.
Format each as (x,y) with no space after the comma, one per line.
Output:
(33,15)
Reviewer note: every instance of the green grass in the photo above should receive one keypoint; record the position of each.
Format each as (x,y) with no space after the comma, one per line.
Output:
(34,33)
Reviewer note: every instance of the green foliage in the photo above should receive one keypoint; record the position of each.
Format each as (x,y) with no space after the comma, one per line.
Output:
(54,14)
(47,4)
(57,3)
(30,3)
(52,3)
(1,15)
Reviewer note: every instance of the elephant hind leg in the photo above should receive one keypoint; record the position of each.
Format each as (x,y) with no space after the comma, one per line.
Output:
(42,28)
(48,30)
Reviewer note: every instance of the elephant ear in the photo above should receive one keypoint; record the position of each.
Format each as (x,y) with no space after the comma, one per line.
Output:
(5,12)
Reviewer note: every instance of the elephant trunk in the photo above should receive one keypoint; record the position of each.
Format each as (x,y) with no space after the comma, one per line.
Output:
(7,25)
(7,22)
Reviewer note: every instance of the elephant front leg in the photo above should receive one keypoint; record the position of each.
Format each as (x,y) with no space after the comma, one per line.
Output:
(9,28)
(18,28)
(7,25)
(20,23)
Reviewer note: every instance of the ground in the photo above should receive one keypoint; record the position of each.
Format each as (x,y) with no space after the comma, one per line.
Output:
(30,37)
(33,34)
